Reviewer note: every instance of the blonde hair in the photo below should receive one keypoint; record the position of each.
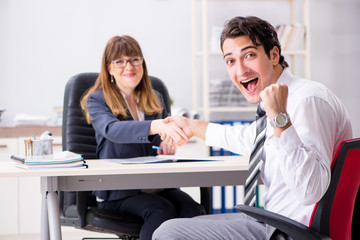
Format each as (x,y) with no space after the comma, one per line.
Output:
(148,102)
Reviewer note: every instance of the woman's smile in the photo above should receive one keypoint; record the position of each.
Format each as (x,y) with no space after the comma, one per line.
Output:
(129,75)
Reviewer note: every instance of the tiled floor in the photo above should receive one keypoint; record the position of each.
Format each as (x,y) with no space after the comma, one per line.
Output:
(67,234)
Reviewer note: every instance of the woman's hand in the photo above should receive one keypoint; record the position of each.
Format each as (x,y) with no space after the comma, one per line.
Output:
(166,149)
(170,130)
(191,127)
(182,122)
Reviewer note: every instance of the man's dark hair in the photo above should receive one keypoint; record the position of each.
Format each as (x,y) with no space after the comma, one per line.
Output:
(259,31)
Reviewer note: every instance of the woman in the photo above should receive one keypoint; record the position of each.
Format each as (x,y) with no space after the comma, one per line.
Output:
(127,114)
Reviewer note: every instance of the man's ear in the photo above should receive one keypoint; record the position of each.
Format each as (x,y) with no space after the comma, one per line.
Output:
(275,55)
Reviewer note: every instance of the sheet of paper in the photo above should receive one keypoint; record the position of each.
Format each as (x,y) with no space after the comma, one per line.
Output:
(159,159)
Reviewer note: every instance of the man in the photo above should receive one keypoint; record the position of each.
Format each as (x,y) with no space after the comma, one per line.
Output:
(305,123)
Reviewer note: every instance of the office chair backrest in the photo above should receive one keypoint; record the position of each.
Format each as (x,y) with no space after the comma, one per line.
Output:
(159,86)
(336,214)
(77,135)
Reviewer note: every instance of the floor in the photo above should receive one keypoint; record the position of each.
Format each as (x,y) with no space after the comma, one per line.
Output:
(68,233)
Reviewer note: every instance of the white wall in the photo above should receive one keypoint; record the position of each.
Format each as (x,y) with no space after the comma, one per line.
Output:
(335,50)
(45,42)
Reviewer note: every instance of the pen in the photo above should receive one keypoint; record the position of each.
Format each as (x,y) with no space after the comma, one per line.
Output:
(158,148)
(19,159)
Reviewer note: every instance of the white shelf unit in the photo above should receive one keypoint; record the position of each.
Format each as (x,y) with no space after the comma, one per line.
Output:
(202,52)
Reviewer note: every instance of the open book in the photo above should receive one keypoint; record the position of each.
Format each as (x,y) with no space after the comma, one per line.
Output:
(159,159)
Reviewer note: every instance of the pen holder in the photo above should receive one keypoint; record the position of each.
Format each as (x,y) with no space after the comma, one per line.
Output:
(38,147)
(42,147)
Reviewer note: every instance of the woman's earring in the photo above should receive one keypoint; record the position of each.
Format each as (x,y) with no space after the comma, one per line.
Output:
(112,78)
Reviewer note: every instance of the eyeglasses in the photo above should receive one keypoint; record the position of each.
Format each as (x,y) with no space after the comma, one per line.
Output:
(135,61)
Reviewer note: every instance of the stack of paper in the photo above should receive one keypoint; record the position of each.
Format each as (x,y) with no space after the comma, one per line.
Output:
(64,159)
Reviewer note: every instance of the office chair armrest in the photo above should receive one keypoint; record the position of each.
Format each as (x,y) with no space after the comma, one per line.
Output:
(292,228)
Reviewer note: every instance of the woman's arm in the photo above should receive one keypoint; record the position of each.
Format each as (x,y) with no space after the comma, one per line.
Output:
(127,130)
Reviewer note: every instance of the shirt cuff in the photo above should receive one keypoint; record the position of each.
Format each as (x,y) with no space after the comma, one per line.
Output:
(290,140)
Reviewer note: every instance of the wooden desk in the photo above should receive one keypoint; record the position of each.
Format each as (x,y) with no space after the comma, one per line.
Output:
(104,175)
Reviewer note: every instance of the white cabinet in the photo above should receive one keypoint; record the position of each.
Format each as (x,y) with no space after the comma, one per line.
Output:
(208,16)
(20,202)
(9,206)
(9,191)
(7,146)
(29,205)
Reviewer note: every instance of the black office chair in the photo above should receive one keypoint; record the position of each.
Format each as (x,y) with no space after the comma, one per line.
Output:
(79,209)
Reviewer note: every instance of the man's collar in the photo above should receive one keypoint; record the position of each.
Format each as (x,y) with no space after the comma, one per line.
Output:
(285,76)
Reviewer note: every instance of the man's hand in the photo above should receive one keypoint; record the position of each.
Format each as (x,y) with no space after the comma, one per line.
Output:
(191,127)
(170,129)
(274,98)
(182,122)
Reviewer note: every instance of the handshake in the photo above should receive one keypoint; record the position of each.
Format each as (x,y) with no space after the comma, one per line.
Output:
(177,130)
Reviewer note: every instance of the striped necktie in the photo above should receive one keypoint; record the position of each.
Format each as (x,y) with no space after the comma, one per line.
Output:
(255,158)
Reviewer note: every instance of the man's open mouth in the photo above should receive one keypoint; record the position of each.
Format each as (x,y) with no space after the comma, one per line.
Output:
(250,84)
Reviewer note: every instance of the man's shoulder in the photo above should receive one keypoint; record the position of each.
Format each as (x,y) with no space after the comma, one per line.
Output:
(300,86)
(302,90)
(307,88)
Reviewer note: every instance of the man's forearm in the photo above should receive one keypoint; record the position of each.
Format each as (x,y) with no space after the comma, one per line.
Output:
(198,128)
